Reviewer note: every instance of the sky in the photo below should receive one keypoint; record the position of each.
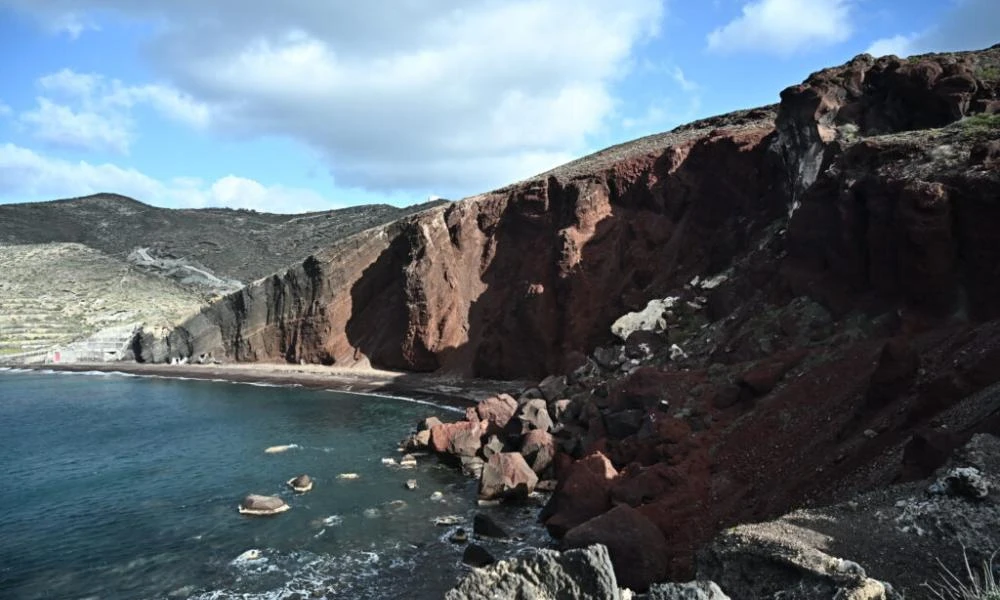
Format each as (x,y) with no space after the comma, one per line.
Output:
(308,105)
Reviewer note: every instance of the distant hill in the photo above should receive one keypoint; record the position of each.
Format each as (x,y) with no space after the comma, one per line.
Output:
(241,245)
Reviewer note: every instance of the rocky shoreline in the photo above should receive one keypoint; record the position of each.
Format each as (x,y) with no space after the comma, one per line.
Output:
(894,543)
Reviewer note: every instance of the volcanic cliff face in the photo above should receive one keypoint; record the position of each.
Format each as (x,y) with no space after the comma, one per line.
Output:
(886,207)
(521,281)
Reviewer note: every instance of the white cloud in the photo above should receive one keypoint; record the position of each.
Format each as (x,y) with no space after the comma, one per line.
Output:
(25,174)
(686,84)
(61,126)
(899,45)
(72,24)
(784,27)
(5,111)
(965,25)
(455,93)
(95,113)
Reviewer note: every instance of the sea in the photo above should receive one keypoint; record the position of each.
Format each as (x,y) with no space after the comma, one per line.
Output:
(119,487)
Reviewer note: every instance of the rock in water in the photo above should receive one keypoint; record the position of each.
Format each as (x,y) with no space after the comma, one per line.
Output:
(693,590)
(301,484)
(477,556)
(255,504)
(485,526)
(582,574)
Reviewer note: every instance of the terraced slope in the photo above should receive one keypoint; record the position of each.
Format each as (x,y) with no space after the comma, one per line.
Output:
(54,294)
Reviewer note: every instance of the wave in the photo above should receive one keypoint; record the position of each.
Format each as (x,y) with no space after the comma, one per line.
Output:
(359,574)
(404,399)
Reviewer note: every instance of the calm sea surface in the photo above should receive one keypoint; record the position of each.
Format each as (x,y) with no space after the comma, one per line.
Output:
(125,487)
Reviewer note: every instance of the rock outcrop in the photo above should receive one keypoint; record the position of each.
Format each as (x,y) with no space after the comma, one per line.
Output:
(585,574)
(885,544)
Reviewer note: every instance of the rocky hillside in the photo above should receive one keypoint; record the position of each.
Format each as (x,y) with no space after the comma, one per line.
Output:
(72,268)
(815,314)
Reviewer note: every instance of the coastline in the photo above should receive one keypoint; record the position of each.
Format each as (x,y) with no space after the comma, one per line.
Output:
(441,389)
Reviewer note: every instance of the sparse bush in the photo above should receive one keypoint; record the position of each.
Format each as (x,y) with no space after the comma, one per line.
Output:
(980,584)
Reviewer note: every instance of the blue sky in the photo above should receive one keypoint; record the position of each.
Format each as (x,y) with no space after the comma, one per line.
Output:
(313,104)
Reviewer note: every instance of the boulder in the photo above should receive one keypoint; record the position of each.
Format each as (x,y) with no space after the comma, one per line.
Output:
(581,574)
(301,484)
(493,445)
(637,547)
(459,536)
(778,559)
(553,387)
(418,442)
(652,318)
(506,476)
(255,504)
(583,492)
(534,414)
(560,409)
(484,526)
(962,481)
(641,345)
(428,423)
(622,424)
(457,439)
(538,448)
(497,410)
(477,556)
(472,466)
(692,590)
(609,357)
(411,484)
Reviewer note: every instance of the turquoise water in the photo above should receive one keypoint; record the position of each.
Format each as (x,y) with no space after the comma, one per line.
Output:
(127,487)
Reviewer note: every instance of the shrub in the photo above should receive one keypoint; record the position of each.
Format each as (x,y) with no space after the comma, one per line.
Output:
(981,585)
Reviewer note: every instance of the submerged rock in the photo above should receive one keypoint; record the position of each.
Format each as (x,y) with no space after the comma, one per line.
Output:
(255,504)
(301,484)
(582,574)
(484,526)
(477,556)
(459,536)
(348,476)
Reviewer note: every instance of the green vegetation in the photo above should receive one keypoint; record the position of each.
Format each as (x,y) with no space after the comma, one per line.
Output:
(988,73)
(980,123)
(981,585)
